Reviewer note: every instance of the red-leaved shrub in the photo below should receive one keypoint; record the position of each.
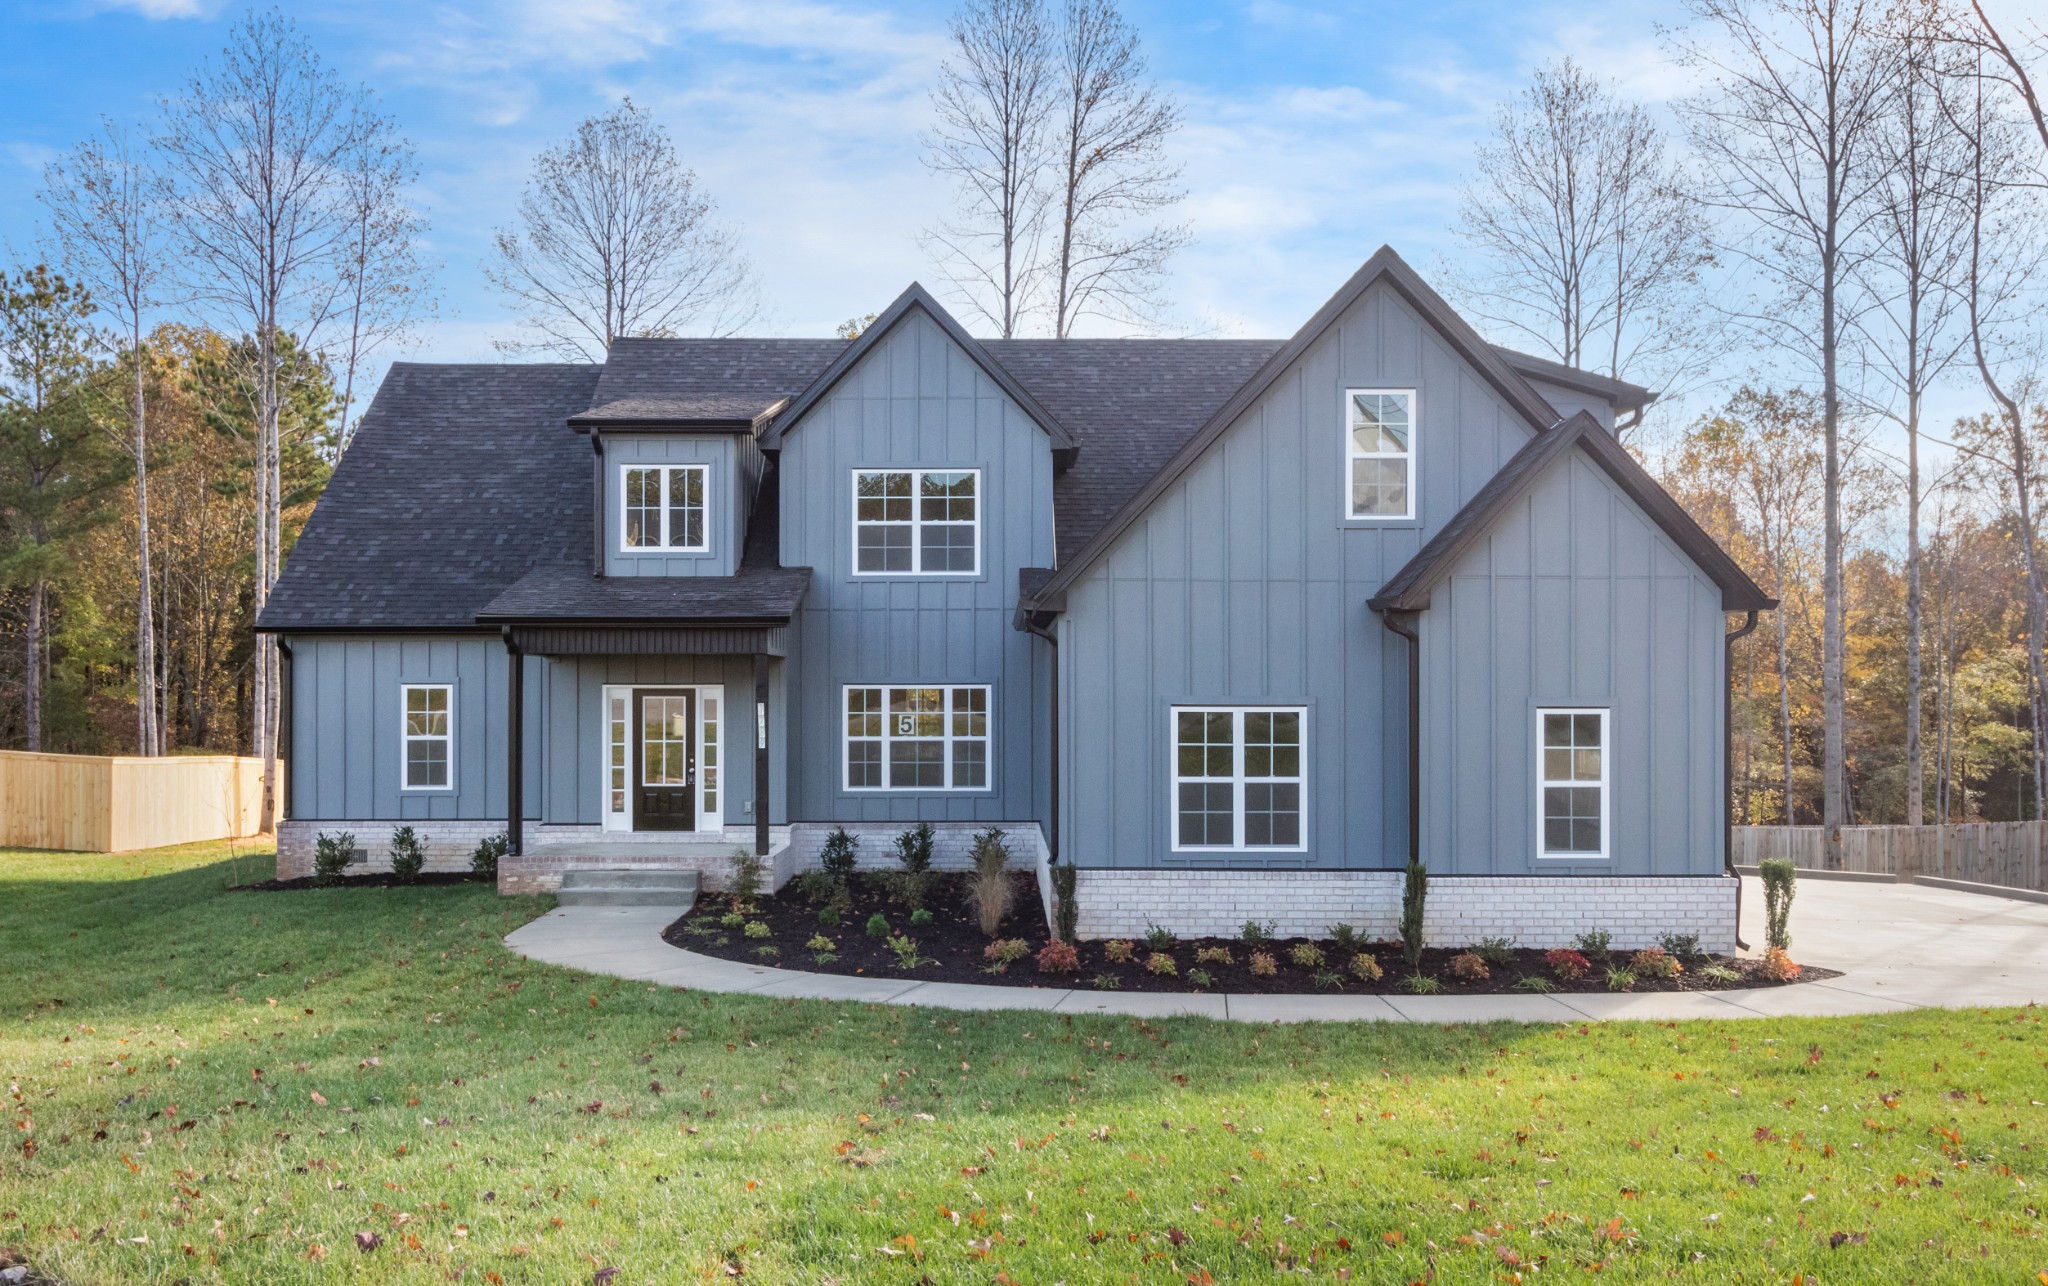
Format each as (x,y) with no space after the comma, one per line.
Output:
(1466,966)
(1058,957)
(1776,966)
(1567,963)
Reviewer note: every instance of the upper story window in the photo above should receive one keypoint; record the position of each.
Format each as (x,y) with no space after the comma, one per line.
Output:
(664,508)
(1571,783)
(917,522)
(1379,453)
(426,736)
(1237,778)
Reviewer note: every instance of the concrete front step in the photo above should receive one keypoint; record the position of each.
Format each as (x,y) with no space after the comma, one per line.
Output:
(603,886)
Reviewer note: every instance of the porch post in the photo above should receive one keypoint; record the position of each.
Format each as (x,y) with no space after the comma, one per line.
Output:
(760,754)
(515,737)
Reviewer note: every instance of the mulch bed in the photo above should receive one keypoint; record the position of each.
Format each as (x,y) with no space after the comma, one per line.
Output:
(952,944)
(367,880)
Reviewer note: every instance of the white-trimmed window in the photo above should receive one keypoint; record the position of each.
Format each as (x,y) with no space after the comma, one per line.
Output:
(1237,777)
(662,506)
(917,738)
(426,736)
(916,522)
(1379,453)
(1571,782)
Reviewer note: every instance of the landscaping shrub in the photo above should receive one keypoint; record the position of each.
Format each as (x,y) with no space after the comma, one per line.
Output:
(1495,951)
(1654,962)
(1467,966)
(905,948)
(914,860)
(1329,980)
(1108,982)
(1535,982)
(1414,892)
(1058,957)
(489,851)
(1366,969)
(1263,965)
(1306,954)
(1596,945)
(1776,966)
(1567,963)
(1620,980)
(1200,980)
(923,915)
(331,854)
(408,855)
(1720,973)
(828,914)
(819,942)
(1253,933)
(1213,955)
(1158,937)
(839,856)
(991,890)
(816,886)
(1780,882)
(1162,964)
(1066,909)
(1421,984)
(1002,954)
(757,929)
(747,870)
(878,925)
(1346,937)
(1118,952)
(1686,946)
(732,919)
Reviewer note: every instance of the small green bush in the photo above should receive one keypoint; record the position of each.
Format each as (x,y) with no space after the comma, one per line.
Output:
(1119,952)
(732,919)
(1162,964)
(1200,980)
(1108,982)
(331,856)
(489,851)
(905,948)
(1421,984)
(921,916)
(816,886)
(757,929)
(819,942)
(1686,946)
(1596,945)
(1719,973)
(1306,954)
(828,914)
(747,870)
(1346,937)
(1495,951)
(1253,933)
(1781,881)
(840,855)
(878,925)
(1159,937)
(408,855)
(1535,982)
(1329,980)
(1620,980)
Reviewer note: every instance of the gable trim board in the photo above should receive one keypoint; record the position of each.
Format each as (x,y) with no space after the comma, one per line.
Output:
(1408,590)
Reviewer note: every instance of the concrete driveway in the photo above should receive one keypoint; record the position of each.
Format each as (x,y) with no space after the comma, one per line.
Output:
(1912,943)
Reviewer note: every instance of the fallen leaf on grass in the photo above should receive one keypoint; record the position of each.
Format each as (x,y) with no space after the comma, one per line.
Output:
(368,1241)
(319,1099)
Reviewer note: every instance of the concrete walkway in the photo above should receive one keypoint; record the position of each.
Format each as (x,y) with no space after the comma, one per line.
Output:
(1898,947)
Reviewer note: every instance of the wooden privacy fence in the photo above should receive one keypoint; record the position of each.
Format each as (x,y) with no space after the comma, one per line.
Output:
(112,804)
(2003,853)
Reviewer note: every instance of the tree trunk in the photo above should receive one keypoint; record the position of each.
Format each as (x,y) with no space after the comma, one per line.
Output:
(1832,697)
(262,720)
(1785,706)
(33,684)
(149,738)
(1915,775)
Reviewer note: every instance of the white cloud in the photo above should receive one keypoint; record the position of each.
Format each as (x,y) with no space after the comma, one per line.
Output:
(161,10)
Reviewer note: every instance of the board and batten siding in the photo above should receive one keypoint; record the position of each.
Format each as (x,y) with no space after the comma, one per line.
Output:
(1245,584)
(732,471)
(1573,598)
(916,401)
(346,718)
(573,698)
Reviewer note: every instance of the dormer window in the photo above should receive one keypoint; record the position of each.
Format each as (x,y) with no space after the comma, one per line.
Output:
(1379,453)
(664,508)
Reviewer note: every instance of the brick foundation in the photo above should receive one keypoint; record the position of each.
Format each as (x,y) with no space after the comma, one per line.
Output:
(1533,910)
(950,845)
(449,844)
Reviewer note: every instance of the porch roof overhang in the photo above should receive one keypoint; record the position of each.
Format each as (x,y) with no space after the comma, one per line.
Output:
(565,610)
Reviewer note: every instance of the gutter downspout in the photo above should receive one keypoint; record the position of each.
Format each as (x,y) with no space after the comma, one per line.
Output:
(284,724)
(1052,839)
(1387,619)
(1728,765)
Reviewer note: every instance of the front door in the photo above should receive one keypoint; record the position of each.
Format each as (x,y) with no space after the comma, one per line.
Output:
(665,773)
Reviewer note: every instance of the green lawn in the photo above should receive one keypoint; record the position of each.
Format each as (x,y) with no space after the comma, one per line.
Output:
(213,1086)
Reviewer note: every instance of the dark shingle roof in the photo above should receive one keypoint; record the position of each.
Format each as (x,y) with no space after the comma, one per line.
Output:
(568,592)
(1130,404)
(745,371)
(718,409)
(458,480)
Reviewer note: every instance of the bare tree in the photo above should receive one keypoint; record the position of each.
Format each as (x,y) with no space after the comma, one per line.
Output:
(1590,248)
(1785,134)
(994,100)
(1919,237)
(260,147)
(618,239)
(385,288)
(1111,131)
(107,207)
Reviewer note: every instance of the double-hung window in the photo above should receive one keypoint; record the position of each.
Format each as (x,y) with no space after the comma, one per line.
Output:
(917,522)
(426,736)
(1237,778)
(664,508)
(1571,783)
(1379,453)
(932,738)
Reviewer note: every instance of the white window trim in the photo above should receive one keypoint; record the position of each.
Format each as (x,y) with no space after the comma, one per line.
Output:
(1606,793)
(988,740)
(1237,779)
(1412,455)
(708,820)
(916,545)
(405,738)
(704,547)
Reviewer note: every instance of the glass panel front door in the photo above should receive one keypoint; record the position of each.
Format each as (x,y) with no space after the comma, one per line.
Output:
(665,770)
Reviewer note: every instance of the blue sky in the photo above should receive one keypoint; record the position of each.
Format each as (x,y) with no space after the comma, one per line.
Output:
(1315,129)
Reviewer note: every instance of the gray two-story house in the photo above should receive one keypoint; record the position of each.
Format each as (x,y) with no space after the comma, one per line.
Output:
(1233,626)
